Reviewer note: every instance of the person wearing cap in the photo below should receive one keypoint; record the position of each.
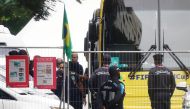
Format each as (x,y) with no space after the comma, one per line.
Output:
(13,52)
(112,92)
(22,52)
(98,77)
(31,66)
(161,84)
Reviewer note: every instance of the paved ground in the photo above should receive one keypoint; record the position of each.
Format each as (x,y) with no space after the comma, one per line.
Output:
(86,106)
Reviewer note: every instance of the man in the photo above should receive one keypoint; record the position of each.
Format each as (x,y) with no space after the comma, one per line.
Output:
(100,76)
(74,64)
(161,84)
(112,92)
(59,78)
(58,62)
(76,91)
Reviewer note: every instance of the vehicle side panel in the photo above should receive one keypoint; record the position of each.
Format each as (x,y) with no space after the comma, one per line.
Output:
(136,90)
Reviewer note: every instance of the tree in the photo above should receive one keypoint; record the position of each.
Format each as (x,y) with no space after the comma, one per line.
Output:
(79,1)
(15,14)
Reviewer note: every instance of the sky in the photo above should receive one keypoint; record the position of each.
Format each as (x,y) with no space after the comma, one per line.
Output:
(49,32)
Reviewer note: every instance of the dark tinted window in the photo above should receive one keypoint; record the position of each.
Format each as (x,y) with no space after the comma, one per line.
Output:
(4,95)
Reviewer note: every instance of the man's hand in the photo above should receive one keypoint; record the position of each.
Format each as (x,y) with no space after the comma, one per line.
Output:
(94,95)
(84,101)
(83,77)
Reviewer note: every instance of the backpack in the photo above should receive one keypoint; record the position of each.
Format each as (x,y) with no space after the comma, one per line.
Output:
(112,94)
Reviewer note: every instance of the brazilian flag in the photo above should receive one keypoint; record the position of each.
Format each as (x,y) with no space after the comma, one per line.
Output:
(66,36)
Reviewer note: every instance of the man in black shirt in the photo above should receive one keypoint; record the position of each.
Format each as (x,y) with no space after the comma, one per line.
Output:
(112,92)
(76,91)
(98,77)
(161,84)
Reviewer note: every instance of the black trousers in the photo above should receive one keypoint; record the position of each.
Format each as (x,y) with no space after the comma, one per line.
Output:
(76,104)
(160,100)
(75,99)
(96,104)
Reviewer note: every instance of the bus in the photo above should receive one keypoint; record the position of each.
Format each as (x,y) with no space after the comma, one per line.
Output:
(141,25)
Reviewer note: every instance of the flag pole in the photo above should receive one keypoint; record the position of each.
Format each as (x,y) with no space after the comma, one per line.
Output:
(63,85)
(67,50)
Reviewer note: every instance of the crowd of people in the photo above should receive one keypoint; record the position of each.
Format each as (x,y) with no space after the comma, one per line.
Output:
(78,83)
(107,92)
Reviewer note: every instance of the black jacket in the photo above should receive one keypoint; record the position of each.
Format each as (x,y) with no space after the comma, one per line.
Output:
(161,80)
(76,67)
(100,76)
(59,81)
(112,94)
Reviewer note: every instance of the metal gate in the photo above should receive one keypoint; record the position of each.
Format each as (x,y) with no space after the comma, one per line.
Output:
(133,74)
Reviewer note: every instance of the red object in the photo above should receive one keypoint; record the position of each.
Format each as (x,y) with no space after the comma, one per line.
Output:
(17,71)
(45,72)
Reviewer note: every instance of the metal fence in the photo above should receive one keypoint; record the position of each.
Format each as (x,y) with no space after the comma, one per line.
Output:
(28,97)
(135,63)
(136,85)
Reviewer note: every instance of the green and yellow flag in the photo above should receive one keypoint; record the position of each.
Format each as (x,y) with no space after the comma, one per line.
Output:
(66,36)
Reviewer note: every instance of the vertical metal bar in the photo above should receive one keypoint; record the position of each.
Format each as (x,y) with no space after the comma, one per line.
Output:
(100,33)
(68,76)
(63,82)
(64,77)
(64,71)
(159,26)
(103,35)
(63,87)
(89,75)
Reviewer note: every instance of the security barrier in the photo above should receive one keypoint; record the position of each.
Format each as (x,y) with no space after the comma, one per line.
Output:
(133,74)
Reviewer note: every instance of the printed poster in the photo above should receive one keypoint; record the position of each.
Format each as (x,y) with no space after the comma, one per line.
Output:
(45,72)
(17,71)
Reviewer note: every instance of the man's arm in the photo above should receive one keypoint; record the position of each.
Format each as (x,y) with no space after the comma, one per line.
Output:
(80,70)
(92,81)
(119,95)
(150,83)
(173,83)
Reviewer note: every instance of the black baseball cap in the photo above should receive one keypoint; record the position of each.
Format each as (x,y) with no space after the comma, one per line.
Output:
(13,52)
(107,58)
(22,52)
(113,70)
(158,57)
